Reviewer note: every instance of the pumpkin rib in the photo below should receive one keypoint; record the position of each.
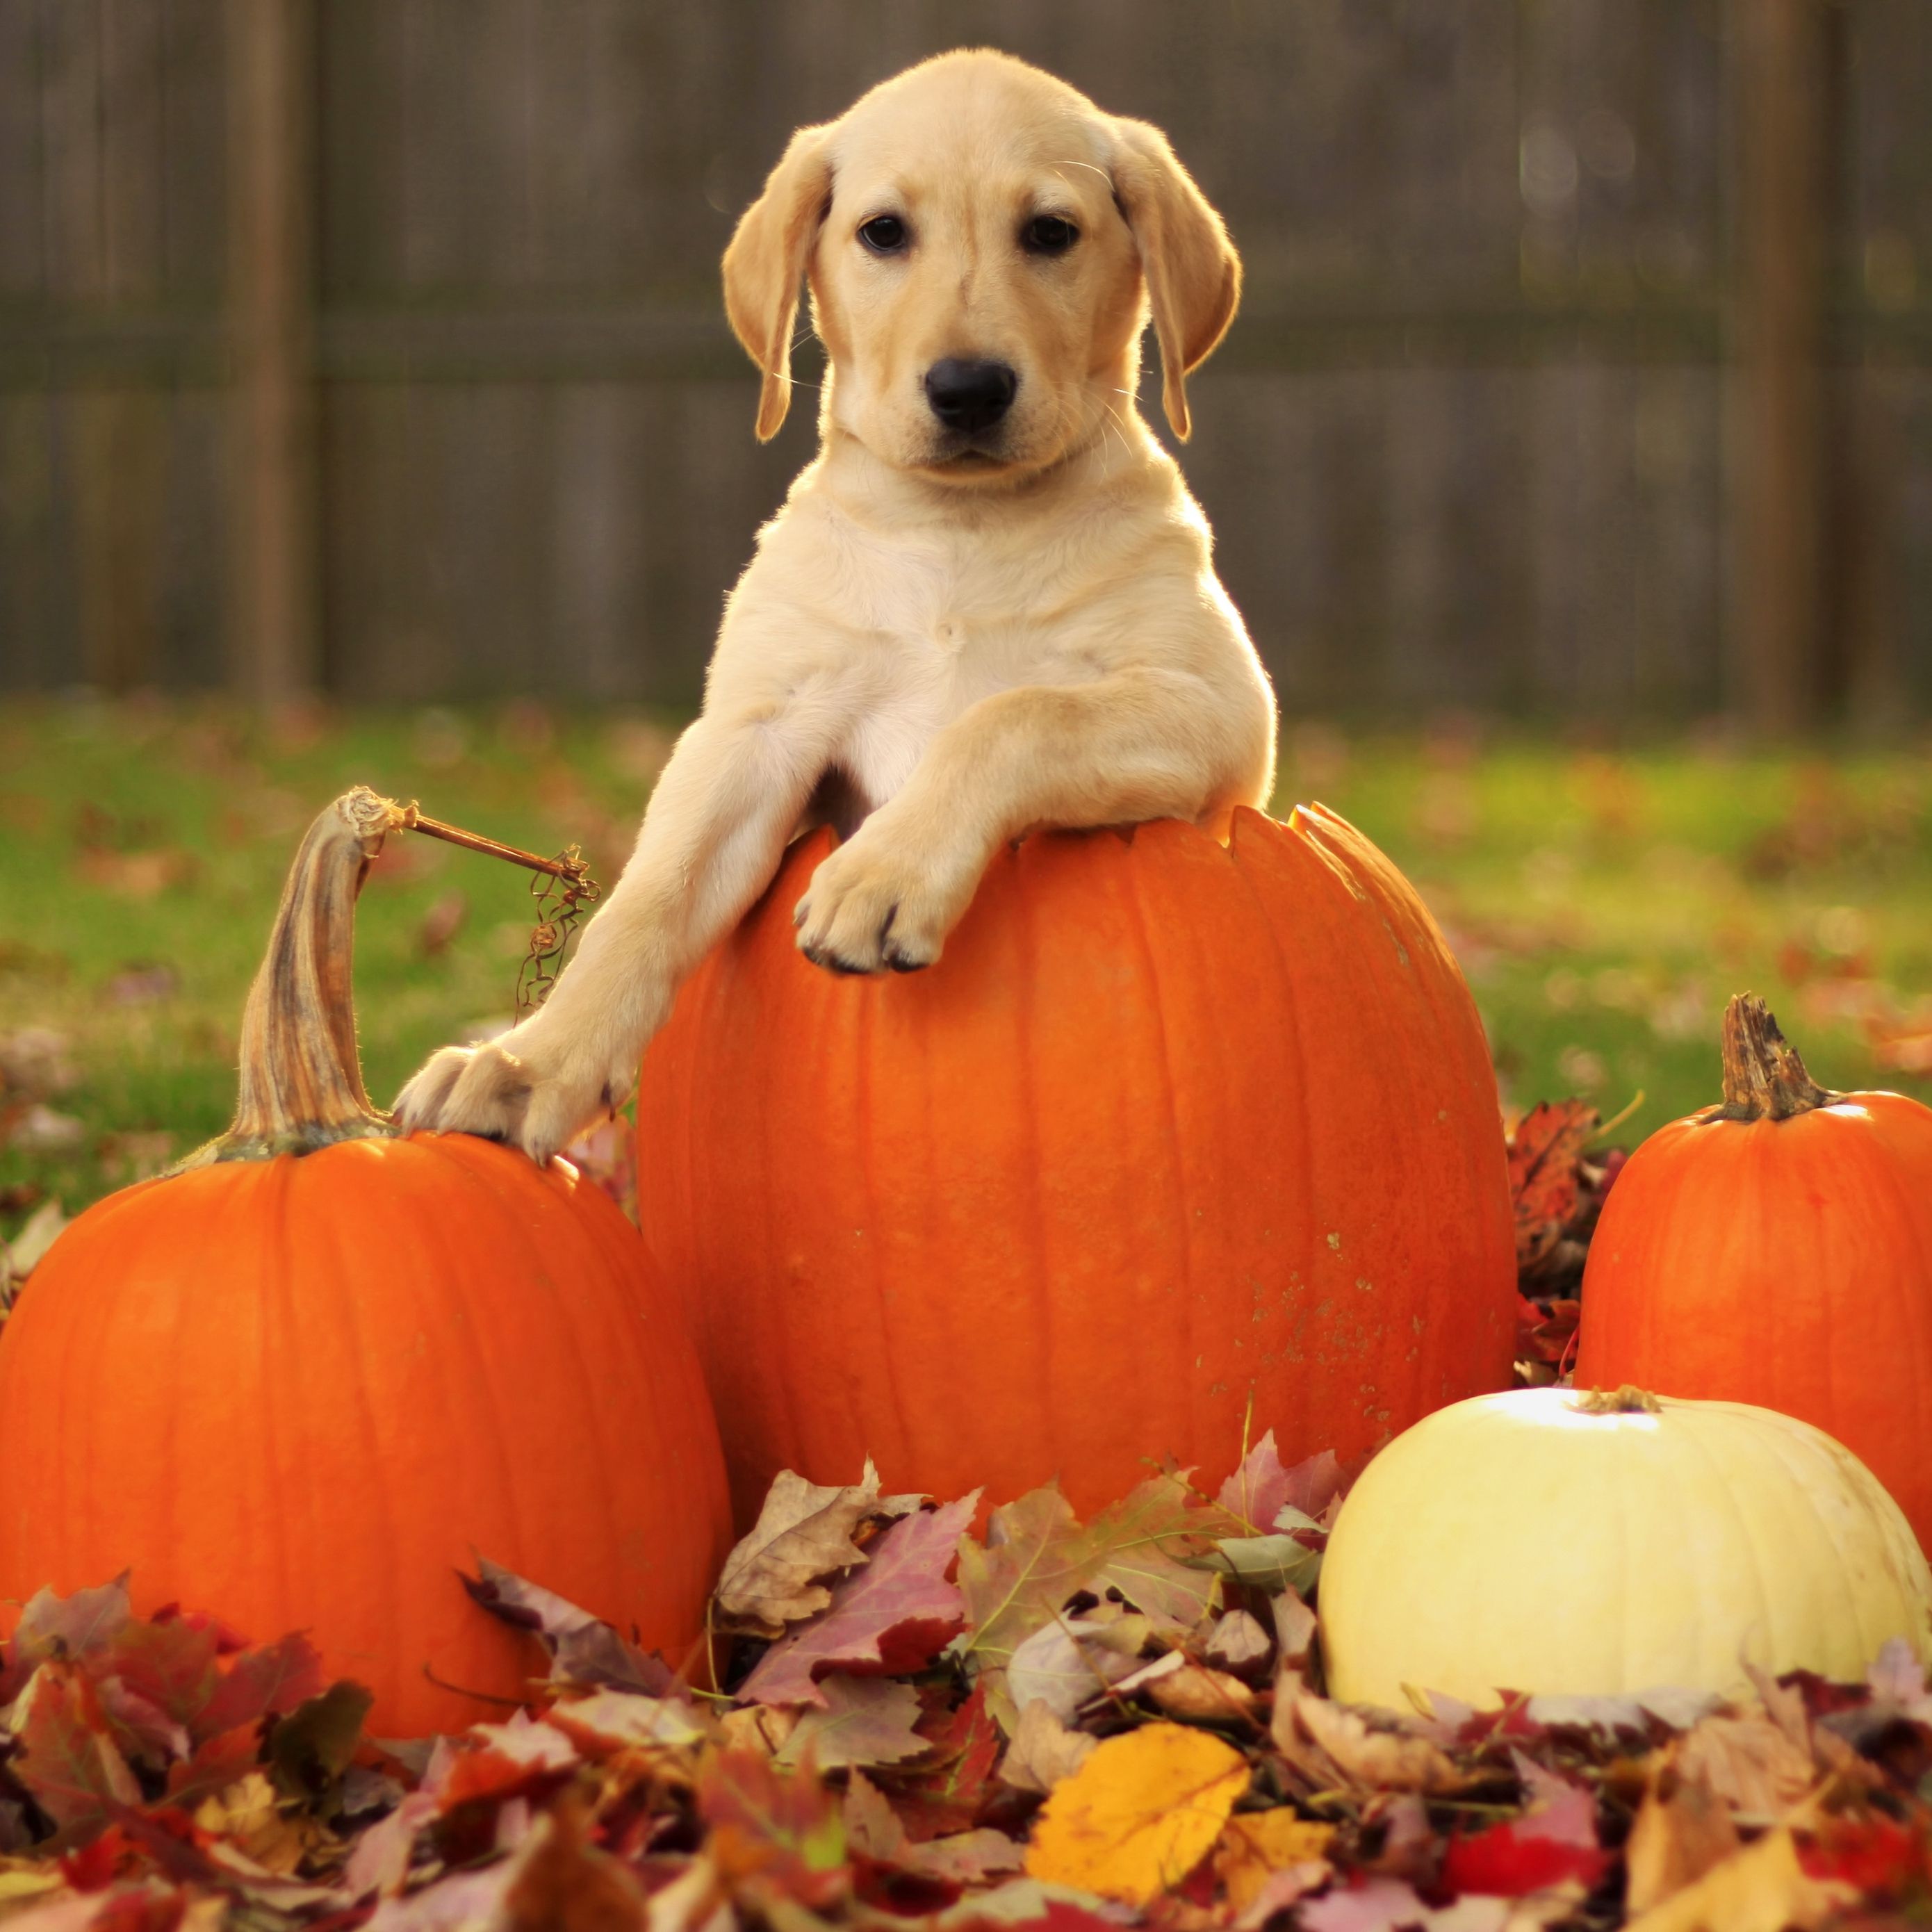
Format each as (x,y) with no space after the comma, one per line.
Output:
(453,1329)
(1176,1187)
(1036,1247)
(381,1498)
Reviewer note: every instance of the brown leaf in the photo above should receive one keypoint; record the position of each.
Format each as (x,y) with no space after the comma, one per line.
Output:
(864,1720)
(1239,1644)
(1037,1555)
(583,1649)
(872,1826)
(1681,1830)
(1198,1695)
(1364,1759)
(803,1534)
(1043,1750)
(1748,1763)
(564,1884)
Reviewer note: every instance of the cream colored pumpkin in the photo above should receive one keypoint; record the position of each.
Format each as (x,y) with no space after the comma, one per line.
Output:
(1546,1541)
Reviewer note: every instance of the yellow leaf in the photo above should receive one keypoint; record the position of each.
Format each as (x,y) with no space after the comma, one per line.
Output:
(1762,1888)
(1258,1844)
(21,1880)
(1139,1814)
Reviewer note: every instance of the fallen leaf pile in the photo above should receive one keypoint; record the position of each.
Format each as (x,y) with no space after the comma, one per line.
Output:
(1005,1720)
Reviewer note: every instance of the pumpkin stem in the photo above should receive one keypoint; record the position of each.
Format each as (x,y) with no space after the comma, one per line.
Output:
(1627,1400)
(301,1077)
(1764,1078)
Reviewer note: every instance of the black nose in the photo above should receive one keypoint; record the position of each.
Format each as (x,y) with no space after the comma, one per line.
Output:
(970,396)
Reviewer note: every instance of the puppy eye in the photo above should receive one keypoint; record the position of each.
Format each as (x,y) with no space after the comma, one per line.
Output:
(1048,234)
(884,234)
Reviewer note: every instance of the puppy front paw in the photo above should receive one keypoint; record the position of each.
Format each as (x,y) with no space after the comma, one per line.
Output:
(516,1090)
(871,908)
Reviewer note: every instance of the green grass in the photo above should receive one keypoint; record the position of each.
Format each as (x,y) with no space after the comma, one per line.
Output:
(1604,904)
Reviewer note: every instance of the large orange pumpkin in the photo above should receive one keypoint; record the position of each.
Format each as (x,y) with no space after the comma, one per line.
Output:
(302,1384)
(1182,1139)
(1776,1249)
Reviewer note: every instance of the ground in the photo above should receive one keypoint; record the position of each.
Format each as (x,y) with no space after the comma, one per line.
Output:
(1603,901)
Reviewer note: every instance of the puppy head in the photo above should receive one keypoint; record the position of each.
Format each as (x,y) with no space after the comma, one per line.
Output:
(984,248)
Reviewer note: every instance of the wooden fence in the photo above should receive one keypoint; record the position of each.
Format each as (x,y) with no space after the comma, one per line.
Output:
(1586,365)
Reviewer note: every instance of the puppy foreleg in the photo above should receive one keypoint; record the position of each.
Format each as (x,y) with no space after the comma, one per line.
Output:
(712,839)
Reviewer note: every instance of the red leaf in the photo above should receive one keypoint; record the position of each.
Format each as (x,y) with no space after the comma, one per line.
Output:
(170,1663)
(1878,1856)
(268,1681)
(949,1795)
(1543,1151)
(583,1649)
(68,1762)
(781,1833)
(1261,1488)
(1530,1853)
(893,1615)
(216,1763)
(79,1628)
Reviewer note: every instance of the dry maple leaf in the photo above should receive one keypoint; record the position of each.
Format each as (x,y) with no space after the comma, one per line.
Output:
(1063,1666)
(1044,1750)
(1258,1844)
(1543,1154)
(1037,1554)
(863,1721)
(803,1534)
(1348,1752)
(872,1826)
(774,1833)
(66,1760)
(583,1649)
(1749,1763)
(894,1614)
(1258,1491)
(1140,1814)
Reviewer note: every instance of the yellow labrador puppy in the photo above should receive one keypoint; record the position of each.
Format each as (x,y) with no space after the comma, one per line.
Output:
(989,604)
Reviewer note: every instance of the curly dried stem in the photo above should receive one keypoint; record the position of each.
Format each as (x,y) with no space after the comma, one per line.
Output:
(301,1076)
(1764,1078)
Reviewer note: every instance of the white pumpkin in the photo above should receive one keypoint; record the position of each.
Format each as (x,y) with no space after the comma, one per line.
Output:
(1550,1541)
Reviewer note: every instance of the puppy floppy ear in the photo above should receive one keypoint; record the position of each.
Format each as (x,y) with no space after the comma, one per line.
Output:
(1193,274)
(766,260)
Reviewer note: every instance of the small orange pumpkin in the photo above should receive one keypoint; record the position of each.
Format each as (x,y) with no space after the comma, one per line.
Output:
(302,1383)
(1776,1249)
(1183,1138)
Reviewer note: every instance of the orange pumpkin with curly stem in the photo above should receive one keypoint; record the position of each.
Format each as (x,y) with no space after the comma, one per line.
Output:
(1777,1248)
(1184,1138)
(302,1383)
